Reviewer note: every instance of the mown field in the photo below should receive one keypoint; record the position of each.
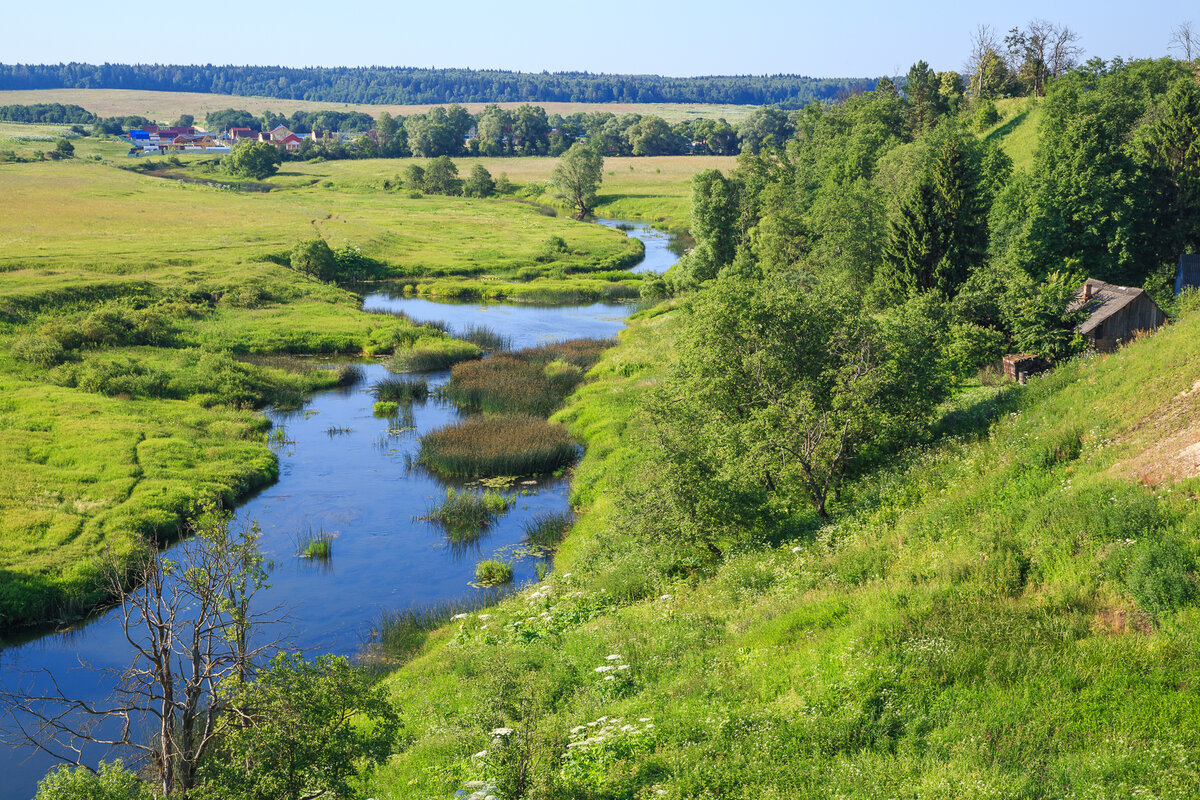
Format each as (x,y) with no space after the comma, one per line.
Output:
(143,319)
(168,106)
(997,613)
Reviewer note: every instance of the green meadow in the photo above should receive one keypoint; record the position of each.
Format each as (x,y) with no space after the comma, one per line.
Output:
(144,319)
(993,614)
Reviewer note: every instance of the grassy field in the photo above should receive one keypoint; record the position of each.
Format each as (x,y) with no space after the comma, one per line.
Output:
(167,106)
(1005,612)
(142,320)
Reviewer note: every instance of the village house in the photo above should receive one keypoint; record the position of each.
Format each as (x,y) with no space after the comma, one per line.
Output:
(1114,313)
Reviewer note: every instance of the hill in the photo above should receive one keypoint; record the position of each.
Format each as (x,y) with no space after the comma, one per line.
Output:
(1005,612)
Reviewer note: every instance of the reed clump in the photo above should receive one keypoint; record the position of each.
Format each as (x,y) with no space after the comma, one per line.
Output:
(431,355)
(315,544)
(533,381)
(545,532)
(504,444)
(493,572)
(399,634)
(486,338)
(465,515)
(401,390)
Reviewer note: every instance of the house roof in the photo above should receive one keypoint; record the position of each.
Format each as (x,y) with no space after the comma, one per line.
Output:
(1189,272)
(1107,299)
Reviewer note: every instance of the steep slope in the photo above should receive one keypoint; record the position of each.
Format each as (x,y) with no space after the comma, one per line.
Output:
(1007,612)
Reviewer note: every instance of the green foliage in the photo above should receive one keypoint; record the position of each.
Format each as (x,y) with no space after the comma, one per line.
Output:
(430,354)
(302,728)
(42,351)
(510,444)
(578,175)
(493,572)
(547,530)
(1041,323)
(714,219)
(441,177)
(401,390)
(984,115)
(315,259)
(532,381)
(253,159)
(465,515)
(110,782)
(480,183)
(1162,575)
(386,408)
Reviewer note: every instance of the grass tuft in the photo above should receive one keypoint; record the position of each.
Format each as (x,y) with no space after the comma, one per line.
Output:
(493,572)
(432,355)
(315,544)
(546,531)
(467,514)
(486,338)
(401,390)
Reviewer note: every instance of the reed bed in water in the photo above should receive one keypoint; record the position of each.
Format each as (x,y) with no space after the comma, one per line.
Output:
(532,381)
(465,515)
(486,338)
(431,355)
(506,444)
(546,531)
(399,634)
(400,390)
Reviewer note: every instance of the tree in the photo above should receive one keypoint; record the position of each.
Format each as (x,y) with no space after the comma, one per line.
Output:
(257,160)
(64,149)
(231,118)
(187,621)
(414,177)
(1172,143)
(300,730)
(1040,52)
(941,229)
(109,782)
(386,129)
(577,176)
(1040,321)
(714,218)
(1184,41)
(441,177)
(763,125)
(652,136)
(480,183)
(778,388)
(185,121)
(314,258)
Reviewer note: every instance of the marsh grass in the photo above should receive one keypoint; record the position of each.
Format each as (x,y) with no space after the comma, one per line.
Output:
(465,515)
(547,530)
(486,338)
(432,355)
(337,430)
(493,572)
(491,446)
(398,634)
(401,390)
(315,544)
(349,374)
(531,381)
(385,408)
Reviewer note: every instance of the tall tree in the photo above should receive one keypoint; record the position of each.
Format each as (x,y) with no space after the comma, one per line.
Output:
(1185,41)
(577,176)
(1172,143)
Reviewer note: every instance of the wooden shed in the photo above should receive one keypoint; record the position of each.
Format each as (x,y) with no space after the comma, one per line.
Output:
(1188,276)
(1114,313)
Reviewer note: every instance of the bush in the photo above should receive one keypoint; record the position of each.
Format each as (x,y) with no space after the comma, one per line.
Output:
(37,349)
(493,572)
(111,782)
(1162,576)
(516,444)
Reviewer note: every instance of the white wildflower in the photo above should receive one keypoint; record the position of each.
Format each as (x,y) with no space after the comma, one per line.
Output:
(612,658)
(604,669)
(502,732)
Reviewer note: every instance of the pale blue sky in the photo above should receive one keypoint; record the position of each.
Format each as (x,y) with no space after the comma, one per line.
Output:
(828,38)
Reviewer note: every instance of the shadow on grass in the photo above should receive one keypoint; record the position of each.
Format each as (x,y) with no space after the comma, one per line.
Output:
(998,135)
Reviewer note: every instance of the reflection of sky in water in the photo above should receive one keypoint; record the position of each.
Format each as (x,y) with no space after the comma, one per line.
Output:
(354,484)
(659,255)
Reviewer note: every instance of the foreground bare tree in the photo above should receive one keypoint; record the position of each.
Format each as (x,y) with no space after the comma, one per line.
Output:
(189,622)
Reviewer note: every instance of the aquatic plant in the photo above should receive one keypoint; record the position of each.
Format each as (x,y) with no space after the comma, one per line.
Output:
(386,408)
(488,339)
(315,544)
(510,444)
(400,633)
(466,514)
(493,572)
(546,531)
(349,374)
(401,390)
(430,355)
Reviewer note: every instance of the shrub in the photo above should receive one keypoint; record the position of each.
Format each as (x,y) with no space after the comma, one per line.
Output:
(111,782)
(515,444)
(493,572)
(39,350)
(1162,576)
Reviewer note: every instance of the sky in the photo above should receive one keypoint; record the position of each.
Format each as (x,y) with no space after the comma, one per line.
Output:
(831,38)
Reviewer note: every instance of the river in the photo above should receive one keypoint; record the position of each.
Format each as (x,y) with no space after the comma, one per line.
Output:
(356,485)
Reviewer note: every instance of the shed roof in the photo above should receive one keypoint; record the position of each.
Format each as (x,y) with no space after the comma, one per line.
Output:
(1106,299)
(1189,272)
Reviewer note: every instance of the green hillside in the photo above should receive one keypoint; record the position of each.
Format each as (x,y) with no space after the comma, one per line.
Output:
(1016,132)
(1008,611)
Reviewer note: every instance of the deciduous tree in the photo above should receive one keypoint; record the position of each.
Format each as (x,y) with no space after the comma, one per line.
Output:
(577,176)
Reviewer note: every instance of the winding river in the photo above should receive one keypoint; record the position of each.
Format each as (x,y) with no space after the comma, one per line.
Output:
(345,472)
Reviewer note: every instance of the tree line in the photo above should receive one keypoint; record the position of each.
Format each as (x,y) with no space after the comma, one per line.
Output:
(412,85)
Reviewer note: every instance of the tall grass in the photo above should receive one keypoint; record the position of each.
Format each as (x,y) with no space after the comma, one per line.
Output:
(465,515)
(486,338)
(315,544)
(431,355)
(401,390)
(510,444)
(546,531)
(493,572)
(399,634)
(533,381)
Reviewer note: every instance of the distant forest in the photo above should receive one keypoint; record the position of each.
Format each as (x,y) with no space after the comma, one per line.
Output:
(409,85)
